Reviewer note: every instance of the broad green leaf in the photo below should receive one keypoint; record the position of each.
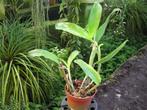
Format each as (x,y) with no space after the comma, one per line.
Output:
(73,29)
(94,19)
(101,30)
(112,54)
(45,54)
(72,57)
(89,71)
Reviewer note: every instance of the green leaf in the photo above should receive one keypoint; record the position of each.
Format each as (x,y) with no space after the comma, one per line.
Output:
(44,53)
(112,54)
(72,57)
(100,32)
(94,20)
(89,71)
(73,29)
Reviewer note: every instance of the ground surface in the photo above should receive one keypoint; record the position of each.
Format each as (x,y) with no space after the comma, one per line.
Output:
(127,89)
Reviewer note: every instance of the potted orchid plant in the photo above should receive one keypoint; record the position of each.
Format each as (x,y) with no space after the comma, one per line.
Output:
(80,92)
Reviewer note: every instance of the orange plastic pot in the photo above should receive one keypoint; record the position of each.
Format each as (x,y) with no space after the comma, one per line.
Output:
(77,103)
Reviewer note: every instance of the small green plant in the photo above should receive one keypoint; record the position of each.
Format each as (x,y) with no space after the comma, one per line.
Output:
(93,33)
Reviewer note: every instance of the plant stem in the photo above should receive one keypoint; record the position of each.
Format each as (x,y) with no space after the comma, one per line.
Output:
(92,89)
(65,76)
(93,53)
(91,59)
(83,81)
(99,58)
(89,85)
(69,75)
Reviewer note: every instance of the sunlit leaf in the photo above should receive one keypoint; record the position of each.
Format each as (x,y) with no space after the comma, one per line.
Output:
(101,30)
(112,54)
(94,19)
(73,29)
(45,54)
(89,71)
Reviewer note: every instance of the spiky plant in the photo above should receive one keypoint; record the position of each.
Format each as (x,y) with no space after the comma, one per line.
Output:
(21,76)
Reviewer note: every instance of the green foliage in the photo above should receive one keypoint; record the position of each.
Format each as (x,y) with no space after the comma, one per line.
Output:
(89,71)
(72,56)
(111,42)
(2,9)
(73,29)
(28,1)
(92,25)
(19,4)
(133,16)
(13,105)
(53,57)
(12,8)
(70,9)
(90,32)
(21,76)
(61,53)
(46,54)
(100,32)
(112,54)
(38,18)
(136,16)
(73,9)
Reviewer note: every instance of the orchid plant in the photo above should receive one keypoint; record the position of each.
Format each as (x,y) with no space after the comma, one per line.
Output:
(92,32)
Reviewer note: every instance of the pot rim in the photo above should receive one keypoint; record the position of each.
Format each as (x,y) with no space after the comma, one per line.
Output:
(83,98)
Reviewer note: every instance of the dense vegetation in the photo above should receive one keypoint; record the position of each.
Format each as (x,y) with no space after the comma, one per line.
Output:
(35,84)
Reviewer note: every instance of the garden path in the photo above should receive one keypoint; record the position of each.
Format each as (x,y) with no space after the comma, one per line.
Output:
(127,88)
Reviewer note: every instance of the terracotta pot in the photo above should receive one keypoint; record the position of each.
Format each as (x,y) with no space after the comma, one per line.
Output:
(77,103)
